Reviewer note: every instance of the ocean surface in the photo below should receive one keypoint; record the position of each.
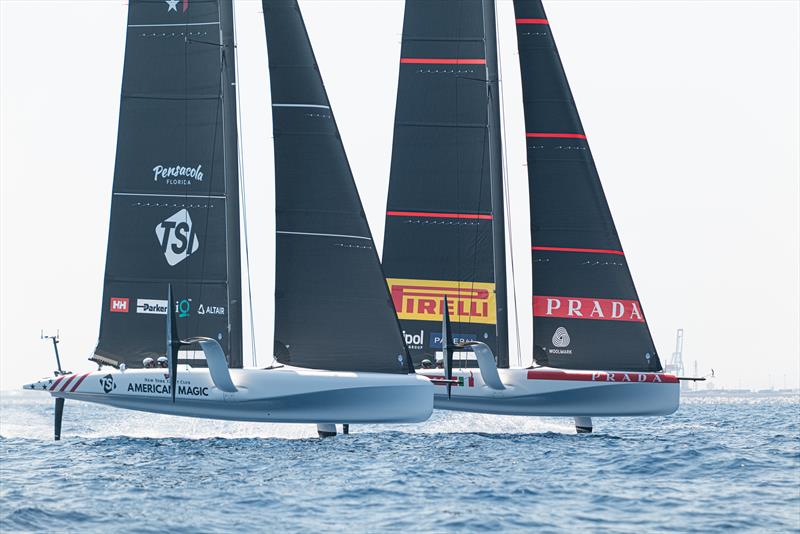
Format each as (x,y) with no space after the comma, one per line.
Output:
(718,464)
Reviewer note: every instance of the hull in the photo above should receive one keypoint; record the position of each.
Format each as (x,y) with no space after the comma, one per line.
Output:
(281,395)
(553,392)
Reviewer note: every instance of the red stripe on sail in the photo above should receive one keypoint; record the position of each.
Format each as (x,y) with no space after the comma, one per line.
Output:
(70,379)
(59,379)
(601,376)
(442,61)
(556,135)
(486,216)
(587,308)
(532,21)
(570,249)
(185,5)
(78,383)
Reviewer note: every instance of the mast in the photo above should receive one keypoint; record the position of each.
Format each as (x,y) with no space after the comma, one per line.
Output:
(496,177)
(231,138)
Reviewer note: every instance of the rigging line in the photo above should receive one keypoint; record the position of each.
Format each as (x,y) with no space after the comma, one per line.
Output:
(509,225)
(488,153)
(220,111)
(476,233)
(242,194)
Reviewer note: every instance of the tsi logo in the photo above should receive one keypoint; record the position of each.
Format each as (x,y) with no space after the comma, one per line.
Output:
(108,383)
(176,237)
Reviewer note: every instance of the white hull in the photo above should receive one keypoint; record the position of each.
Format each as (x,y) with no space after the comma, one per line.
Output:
(285,394)
(555,392)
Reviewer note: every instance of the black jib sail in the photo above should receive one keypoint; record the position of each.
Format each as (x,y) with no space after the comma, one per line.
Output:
(332,306)
(174,210)
(444,217)
(586,311)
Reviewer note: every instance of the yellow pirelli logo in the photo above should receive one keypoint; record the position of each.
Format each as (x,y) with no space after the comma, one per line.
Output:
(422,300)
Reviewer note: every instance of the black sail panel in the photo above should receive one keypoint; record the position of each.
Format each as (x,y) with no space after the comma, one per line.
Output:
(332,306)
(586,311)
(441,216)
(174,209)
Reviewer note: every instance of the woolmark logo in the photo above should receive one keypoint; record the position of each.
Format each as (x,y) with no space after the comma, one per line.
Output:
(178,174)
(176,237)
(561,337)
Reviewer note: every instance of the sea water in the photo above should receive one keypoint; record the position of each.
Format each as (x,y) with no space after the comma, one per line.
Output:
(717,464)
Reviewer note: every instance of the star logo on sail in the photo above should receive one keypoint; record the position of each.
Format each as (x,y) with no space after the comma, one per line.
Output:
(172,5)
(176,237)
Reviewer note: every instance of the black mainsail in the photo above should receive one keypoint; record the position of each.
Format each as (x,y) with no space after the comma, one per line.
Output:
(444,223)
(332,306)
(175,207)
(444,218)
(586,311)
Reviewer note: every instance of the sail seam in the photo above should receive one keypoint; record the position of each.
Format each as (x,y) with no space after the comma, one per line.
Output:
(441,125)
(173,25)
(571,249)
(443,61)
(166,195)
(556,135)
(179,98)
(322,234)
(300,106)
(486,216)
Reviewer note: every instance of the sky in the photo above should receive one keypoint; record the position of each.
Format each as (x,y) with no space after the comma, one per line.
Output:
(692,110)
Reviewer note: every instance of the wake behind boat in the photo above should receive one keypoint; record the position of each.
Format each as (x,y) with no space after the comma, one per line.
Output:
(174,251)
(592,349)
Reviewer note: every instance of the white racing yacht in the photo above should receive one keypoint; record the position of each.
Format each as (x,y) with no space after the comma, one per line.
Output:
(172,292)
(445,239)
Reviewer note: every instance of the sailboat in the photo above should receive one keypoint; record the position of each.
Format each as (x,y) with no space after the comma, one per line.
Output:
(445,250)
(170,337)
